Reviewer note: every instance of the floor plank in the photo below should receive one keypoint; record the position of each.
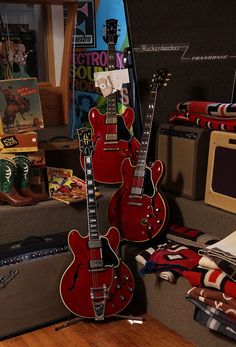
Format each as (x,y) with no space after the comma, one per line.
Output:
(109,333)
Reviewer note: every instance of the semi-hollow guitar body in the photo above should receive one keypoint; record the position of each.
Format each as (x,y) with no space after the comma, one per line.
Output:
(108,155)
(98,287)
(97,284)
(139,217)
(137,208)
(112,138)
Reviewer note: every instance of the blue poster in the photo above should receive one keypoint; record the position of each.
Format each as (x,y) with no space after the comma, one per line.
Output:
(89,55)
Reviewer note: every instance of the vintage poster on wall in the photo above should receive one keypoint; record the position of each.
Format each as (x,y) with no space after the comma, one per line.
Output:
(90,56)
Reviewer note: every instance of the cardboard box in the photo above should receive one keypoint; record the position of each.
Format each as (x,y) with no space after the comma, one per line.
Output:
(22,142)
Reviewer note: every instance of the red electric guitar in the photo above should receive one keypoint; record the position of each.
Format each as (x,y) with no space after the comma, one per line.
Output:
(112,139)
(137,208)
(97,284)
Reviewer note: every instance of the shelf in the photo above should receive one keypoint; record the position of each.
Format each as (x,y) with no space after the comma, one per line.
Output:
(55,98)
(40,2)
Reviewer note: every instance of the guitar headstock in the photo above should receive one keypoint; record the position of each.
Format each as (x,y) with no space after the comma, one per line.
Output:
(159,79)
(111,33)
(85,141)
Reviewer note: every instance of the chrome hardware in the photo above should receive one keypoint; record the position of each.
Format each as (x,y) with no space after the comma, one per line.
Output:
(98,298)
(144,221)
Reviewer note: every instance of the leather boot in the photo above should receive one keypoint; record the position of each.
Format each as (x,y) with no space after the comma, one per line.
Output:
(8,192)
(24,172)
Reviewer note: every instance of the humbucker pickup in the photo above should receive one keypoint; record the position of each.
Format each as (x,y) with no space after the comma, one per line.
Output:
(136,191)
(94,244)
(96,264)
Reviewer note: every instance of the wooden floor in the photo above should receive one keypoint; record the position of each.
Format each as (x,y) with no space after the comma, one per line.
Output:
(113,333)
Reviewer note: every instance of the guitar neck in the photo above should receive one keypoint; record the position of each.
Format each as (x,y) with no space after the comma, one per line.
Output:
(112,98)
(91,201)
(147,127)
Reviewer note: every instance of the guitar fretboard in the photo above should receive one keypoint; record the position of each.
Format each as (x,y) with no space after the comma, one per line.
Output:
(91,201)
(111,119)
(142,158)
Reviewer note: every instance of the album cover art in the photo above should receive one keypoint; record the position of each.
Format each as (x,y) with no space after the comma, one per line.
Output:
(65,187)
(20,106)
(18,55)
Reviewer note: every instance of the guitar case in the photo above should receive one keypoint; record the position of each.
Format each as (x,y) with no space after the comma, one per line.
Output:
(30,273)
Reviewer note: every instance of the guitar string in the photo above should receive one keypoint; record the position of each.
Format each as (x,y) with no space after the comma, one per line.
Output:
(142,166)
(92,250)
(111,113)
(111,99)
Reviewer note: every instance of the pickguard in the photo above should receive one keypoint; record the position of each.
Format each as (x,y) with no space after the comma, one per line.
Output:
(109,257)
(122,131)
(148,187)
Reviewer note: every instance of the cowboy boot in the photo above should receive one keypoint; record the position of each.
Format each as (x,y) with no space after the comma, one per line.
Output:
(8,192)
(24,172)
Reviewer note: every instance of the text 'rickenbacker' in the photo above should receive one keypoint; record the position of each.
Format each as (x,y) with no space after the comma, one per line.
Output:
(137,208)
(112,139)
(97,284)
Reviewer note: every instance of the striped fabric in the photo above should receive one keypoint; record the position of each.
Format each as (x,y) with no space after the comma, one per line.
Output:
(206,114)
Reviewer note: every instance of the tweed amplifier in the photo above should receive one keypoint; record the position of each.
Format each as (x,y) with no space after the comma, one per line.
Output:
(30,273)
(221,171)
(184,151)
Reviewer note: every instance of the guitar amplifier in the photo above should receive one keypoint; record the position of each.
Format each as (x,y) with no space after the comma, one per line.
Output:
(30,273)
(220,184)
(63,152)
(184,151)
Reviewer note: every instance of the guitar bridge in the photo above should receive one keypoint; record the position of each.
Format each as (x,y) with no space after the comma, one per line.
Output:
(133,197)
(135,204)
(98,298)
(111,149)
